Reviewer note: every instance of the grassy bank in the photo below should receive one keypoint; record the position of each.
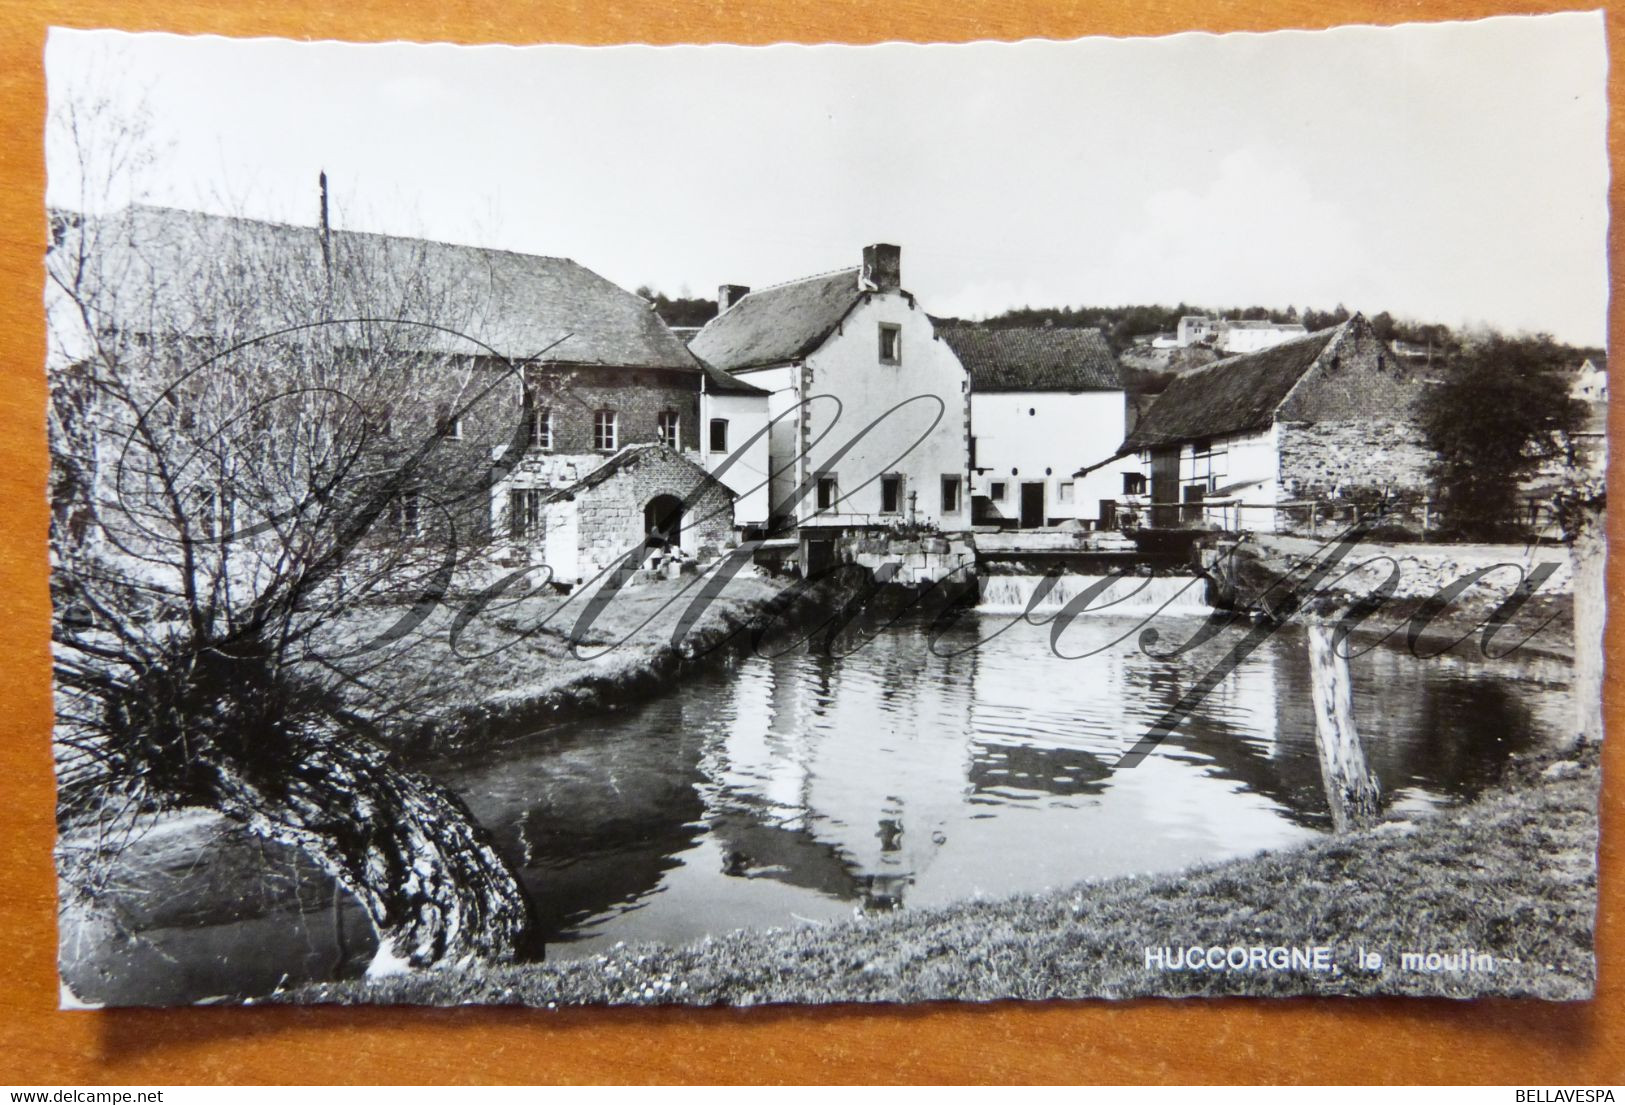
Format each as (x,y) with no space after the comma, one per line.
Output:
(1513,875)
(516,661)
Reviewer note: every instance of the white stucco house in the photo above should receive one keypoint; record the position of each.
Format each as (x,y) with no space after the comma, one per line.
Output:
(870,410)
(1044,400)
(734,442)
(1250,335)
(1195,328)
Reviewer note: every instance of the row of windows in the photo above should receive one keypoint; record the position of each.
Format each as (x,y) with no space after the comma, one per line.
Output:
(892,499)
(606,429)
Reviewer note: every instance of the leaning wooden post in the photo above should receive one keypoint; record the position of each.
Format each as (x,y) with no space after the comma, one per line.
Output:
(1351,789)
(1589,534)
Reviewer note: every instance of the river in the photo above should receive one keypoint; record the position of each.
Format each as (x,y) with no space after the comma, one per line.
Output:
(918,770)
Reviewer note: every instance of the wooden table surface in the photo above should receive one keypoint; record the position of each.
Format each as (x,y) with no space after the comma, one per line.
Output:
(1145,1041)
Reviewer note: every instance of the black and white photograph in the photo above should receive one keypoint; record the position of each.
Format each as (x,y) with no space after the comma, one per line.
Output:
(716,525)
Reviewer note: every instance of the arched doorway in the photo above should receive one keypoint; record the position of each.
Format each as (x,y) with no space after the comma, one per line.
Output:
(663,521)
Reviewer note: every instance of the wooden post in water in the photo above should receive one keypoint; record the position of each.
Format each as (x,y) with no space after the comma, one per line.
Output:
(1590,555)
(1351,789)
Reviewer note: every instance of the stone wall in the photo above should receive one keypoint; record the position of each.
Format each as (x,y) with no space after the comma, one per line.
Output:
(1350,424)
(1424,570)
(637,396)
(611,513)
(1328,458)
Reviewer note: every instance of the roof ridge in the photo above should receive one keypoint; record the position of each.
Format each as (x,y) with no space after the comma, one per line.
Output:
(1233,358)
(799,280)
(388,235)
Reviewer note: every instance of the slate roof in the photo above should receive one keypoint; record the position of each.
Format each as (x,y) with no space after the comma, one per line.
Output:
(778,324)
(516,303)
(629,458)
(1034,358)
(717,380)
(1232,396)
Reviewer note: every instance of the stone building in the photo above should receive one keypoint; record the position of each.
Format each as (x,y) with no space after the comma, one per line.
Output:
(1332,414)
(871,409)
(647,498)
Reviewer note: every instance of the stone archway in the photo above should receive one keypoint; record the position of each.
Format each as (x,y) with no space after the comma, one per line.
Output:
(663,521)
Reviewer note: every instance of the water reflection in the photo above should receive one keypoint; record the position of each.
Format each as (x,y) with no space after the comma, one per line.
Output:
(801,787)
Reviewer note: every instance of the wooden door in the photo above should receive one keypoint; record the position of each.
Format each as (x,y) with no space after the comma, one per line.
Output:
(1032,505)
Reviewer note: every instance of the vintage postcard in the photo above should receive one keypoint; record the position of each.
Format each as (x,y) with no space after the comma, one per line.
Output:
(723,525)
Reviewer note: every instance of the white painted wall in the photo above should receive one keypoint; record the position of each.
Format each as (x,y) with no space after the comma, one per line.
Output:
(934,384)
(782,382)
(1046,436)
(1105,482)
(1250,340)
(747,476)
(1252,461)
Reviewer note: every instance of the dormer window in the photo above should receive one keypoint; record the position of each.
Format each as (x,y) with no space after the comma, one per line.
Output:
(891,343)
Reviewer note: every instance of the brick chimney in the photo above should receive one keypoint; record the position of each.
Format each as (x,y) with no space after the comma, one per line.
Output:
(883,267)
(729,294)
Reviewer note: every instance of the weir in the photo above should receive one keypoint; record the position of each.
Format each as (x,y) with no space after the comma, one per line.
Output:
(1124,595)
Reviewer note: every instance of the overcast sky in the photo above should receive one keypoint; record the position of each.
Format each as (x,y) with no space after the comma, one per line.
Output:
(1449,172)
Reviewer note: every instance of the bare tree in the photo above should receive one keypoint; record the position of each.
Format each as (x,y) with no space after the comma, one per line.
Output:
(267,442)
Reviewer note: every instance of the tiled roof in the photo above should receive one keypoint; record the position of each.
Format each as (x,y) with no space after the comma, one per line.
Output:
(515,303)
(783,323)
(1232,396)
(1034,358)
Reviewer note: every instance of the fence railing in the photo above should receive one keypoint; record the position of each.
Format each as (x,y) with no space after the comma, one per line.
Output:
(1419,518)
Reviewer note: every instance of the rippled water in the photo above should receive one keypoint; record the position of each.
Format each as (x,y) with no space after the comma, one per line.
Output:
(802,787)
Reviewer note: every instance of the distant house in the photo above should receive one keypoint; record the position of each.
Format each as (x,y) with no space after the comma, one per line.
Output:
(1235,335)
(870,409)
(1251,335)
(1043,401)
(1590,383)
(1591,440)
(1195,328)
(1327,414)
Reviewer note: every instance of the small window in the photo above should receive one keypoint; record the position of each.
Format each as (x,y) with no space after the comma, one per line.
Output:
(719,435)
(603,431)
(1133,483)
(540,431)
(1064,491)
(380,423)
(666,424)
(950,494)
(891,494)
(995,491)
(828,495)
(524,511)
(891,343)
(406,513)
